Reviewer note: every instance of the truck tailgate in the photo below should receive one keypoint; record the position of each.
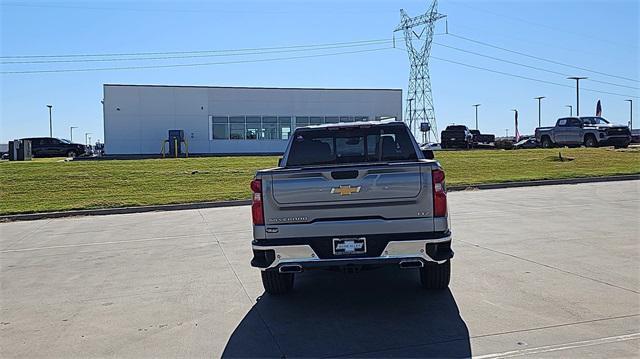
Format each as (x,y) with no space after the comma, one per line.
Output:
(347,193)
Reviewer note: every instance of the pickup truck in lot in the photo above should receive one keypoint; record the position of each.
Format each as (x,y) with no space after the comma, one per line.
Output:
(351,196)
(456,136)
(482,138)
(589,131)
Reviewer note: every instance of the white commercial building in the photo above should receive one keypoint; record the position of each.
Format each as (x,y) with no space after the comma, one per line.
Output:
(231,120)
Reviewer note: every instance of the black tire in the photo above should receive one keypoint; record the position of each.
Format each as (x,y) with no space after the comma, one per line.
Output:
(590,141)
(546,142)
(71,154)
(436,276)
(277,283)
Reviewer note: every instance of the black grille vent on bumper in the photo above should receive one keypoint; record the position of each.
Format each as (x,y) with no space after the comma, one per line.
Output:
(618,132)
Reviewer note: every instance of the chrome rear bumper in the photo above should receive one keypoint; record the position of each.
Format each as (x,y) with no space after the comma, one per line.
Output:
(395,252)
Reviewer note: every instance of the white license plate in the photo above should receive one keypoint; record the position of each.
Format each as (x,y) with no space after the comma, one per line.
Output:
(346,246)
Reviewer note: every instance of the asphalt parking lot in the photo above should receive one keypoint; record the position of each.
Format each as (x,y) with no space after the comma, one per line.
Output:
(548,271)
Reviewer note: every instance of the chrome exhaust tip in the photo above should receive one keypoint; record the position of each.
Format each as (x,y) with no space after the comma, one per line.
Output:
(290,268)
(411,264)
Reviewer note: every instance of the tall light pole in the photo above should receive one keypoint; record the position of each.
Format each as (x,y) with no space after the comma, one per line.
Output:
(86,138)
(570,109)
(71,132)
(630,114)
(50,124)
(577,78)
(476,106)
(539,98)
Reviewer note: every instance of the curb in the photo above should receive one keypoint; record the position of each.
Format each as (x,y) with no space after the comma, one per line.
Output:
(551,182)
(199,205)
(121,210)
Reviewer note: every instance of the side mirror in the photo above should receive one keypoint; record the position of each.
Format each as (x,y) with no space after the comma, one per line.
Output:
(280,164)
(428,154)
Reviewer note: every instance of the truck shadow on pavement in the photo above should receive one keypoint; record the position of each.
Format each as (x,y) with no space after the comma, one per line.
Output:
(377,313)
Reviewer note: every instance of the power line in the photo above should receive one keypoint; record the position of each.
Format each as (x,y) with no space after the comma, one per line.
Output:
(524,77)
(192,56)
(193,52)
(529,66)
(555,29)
(528,78)
(540,58)
(192,64)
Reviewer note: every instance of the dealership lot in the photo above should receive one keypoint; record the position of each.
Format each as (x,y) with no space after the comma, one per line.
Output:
(545,271)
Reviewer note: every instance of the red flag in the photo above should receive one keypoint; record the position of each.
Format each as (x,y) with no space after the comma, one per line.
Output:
(598,109)
(517,133)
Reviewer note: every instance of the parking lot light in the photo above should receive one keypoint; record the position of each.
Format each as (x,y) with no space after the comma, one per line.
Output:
(50,124)
(570,109)
(577,78)
(630,114)
(476,106)
(539,98)
(71,132)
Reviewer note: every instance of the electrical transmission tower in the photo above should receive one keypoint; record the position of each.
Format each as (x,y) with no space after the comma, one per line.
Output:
(418,34)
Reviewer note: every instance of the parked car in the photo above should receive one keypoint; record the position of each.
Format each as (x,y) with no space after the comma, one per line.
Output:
(526,143)
(52,147)
(4,151)
(588,131)
(484,138)
(635,136)
(456,136)
(351,196)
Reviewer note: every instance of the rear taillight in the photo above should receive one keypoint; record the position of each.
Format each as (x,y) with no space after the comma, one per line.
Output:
(256,202)
(439,193)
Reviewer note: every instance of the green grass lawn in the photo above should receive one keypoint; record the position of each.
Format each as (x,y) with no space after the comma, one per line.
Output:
(52,184)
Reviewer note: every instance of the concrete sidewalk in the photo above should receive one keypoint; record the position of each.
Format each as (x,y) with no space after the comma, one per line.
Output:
(543,271)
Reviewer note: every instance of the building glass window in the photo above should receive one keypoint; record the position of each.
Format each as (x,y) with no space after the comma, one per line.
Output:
(331,119)
(220,126)
(380,118)
(237,127)
(302,121)
(316,120)
(346,119)
(361,118)
(270,128)
(253,128)
(284,127)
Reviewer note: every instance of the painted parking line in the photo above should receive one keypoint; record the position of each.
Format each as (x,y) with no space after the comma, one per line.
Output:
(559,347)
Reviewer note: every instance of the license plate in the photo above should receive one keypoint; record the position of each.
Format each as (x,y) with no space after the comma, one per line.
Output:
(346,246)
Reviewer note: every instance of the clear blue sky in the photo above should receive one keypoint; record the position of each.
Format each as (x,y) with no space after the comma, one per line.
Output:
(598,35)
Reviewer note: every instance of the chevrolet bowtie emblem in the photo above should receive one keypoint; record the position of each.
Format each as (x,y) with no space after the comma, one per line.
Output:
(345,190)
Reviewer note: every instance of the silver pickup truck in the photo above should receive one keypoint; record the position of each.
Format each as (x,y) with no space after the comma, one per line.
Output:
(351,196)
(590,131)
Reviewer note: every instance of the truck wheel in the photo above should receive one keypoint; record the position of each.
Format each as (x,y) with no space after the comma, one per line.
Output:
(277,283)
(436,276)
(590,141)
(546,142)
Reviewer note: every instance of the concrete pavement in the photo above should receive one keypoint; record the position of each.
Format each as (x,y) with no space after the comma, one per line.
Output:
(545,271)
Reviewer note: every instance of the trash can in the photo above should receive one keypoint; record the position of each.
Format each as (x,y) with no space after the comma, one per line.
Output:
(20,150)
